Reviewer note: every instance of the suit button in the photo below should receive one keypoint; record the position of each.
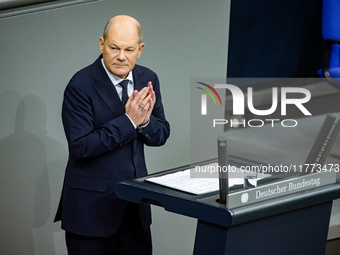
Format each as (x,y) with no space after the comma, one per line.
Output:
(134,155)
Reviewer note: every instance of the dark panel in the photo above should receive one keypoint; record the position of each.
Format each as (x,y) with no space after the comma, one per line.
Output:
(275,38)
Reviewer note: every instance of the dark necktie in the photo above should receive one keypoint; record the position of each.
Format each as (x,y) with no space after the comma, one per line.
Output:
(125,96)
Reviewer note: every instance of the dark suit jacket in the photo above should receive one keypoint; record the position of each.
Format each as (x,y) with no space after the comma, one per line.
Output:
(104,148)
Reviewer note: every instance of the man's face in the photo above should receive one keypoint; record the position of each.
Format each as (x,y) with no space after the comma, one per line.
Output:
(120,50)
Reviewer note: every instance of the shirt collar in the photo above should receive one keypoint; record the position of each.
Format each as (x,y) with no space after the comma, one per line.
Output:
(115,79)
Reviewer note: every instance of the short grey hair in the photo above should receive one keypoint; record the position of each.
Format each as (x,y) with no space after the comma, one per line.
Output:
(139,30)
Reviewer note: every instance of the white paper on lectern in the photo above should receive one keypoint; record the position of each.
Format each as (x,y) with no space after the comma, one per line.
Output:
(181,180)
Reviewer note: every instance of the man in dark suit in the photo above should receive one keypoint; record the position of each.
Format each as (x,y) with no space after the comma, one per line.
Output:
(105,139)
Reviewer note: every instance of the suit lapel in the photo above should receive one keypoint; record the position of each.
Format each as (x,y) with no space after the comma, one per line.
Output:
(106,89)
(138,78)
